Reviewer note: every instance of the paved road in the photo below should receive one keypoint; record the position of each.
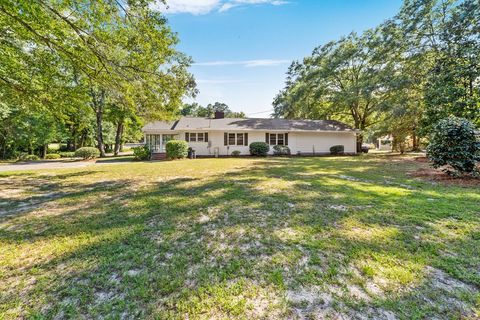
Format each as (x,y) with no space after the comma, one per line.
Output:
(59,164)
(45,165)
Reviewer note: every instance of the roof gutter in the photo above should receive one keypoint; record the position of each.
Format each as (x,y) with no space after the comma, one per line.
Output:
(253,130)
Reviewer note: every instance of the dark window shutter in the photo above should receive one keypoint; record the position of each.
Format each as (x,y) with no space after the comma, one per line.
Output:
(206,136)
(286,139)
(245,139)
(267,138)
(225,139)
(187,136)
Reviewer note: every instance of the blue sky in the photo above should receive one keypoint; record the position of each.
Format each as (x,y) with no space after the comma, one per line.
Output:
(242,48)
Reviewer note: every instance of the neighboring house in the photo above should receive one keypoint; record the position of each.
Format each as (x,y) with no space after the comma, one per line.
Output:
(385,143)
(221,136)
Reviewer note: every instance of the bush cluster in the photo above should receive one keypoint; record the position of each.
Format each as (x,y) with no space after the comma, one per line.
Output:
(141,153)
(453,146)
(281,150)
(259,149)
(337,150)
(28,157)
(52,156)
(87,153)
(176,149)
(235,153)
(67,154)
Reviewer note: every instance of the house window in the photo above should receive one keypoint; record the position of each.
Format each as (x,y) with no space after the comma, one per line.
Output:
(280,140)
(231,139)
(235,139)
(276,139)
(240,139)
(273,139)
(153,142)
(196,137)
(157,142)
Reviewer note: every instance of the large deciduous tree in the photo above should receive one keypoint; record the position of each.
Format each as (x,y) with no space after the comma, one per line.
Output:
(444,35)
(348,80)
(196,110)
(95,53)
(400,78)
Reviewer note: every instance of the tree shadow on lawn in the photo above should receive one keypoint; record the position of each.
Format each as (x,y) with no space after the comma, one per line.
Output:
(118,159)
(21,195)
(264,241)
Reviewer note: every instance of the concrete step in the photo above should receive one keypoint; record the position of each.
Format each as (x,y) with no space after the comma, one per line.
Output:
(159,156)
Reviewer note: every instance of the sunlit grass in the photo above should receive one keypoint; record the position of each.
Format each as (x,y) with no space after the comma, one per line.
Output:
(238,238)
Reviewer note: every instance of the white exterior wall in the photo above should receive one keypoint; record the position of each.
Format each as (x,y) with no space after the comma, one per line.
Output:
(216,141)
(298,142)
(320,142)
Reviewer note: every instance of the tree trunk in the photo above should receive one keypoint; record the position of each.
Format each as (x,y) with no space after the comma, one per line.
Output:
(44,150)
(118,138)
(360,126)
(415,141)
(83,139)
(98,103)
(100,144)
(359,142)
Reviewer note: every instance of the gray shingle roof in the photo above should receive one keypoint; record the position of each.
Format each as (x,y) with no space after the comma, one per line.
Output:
(229,124)
(160,125)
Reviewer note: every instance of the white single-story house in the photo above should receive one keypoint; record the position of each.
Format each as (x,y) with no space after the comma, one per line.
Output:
(220,136)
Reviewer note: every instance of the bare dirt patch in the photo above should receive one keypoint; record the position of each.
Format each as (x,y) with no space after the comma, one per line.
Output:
(438,176)
(421,159)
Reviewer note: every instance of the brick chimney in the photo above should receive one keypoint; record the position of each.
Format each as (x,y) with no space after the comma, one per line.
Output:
(219,115)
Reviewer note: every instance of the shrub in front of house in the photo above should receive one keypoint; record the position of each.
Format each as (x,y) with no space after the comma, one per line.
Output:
(235,153)
(453,146)
(337,150)
(259,149)
(67,154)
(281,150)
(87,153)
(52,156)
(141,153)
(176,149)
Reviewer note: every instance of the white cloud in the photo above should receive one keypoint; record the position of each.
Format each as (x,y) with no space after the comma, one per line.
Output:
(188,6)
(198,7)
(227,6)
(245,63)
(236,3)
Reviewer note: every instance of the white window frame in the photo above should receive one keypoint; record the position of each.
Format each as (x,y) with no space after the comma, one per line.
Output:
(196,136)
(276,139)
(244,138)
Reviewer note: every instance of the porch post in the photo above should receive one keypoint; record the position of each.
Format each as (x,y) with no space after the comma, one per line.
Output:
(145,140)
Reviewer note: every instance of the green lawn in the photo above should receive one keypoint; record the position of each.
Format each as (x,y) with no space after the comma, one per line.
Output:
(351,237)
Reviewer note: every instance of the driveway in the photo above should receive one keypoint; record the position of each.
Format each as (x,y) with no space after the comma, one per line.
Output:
(45,165)
(59,164)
